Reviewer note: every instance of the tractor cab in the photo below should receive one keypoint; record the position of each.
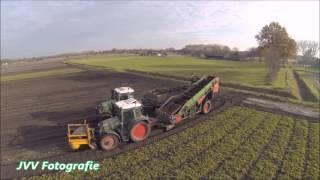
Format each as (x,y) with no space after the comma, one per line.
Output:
(105,108)
(127,124)
(121,93)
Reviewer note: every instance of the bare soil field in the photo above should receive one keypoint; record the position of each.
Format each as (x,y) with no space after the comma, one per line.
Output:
(32,66)
(34,113)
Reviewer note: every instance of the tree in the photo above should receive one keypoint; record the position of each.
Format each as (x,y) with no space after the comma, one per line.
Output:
(275,46)
(308,48)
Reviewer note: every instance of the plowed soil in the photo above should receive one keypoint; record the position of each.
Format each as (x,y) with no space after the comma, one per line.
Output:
(35,112)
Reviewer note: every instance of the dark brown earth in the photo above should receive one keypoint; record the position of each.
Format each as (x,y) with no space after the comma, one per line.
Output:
(34,113)
(305,92)
(32,66)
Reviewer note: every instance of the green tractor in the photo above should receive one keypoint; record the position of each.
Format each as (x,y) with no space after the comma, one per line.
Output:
(105,108)
(128,123)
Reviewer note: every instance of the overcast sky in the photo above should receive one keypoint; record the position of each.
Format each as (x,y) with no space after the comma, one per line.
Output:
(32,28)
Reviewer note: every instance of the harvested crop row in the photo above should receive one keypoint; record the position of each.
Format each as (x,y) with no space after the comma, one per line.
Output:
(240,161)
(293,163)
(267,165)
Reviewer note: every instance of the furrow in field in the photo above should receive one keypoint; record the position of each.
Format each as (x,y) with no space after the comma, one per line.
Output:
(240,161)
(164,166)
(293,162)
(267,164)
(312,161)
(178,142)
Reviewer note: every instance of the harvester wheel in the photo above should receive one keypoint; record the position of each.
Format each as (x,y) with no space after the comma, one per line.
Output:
(109,142)
(140,131)
(206,107)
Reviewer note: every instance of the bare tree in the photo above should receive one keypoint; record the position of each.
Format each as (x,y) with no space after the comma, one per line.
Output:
(308,48)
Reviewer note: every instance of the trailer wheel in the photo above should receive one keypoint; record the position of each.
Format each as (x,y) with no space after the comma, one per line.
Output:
(109,142)
(206,107)
(140,131)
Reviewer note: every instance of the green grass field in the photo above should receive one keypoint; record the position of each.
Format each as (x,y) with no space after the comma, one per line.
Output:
(238,143)
(251,73)
(30,75)
(286,81)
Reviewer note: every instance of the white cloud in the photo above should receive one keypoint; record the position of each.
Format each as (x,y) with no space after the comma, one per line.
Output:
(40,28)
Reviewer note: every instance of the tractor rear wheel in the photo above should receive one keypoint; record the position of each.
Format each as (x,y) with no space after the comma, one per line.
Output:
(206,107)
(140,131)
(109,142)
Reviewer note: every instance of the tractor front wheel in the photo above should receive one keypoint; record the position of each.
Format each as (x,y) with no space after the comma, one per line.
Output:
(206,107)
(109,142)
(140,131)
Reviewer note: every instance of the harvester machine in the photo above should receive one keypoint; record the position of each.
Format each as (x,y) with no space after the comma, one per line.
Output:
(197,98)
(129,122)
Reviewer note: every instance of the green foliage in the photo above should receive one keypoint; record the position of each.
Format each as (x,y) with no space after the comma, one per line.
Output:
(271,157)
(242,159)
(312,170)
(238,143)
(293,163)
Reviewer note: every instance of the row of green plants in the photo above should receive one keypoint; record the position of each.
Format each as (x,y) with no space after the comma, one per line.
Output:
(237,143)
(175,156)
(271,157)
(209,159)
(292,165)
(241,160)
(312,164)
(115,166)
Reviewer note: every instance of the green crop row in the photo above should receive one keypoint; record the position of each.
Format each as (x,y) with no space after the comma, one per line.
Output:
(293,163)
(240,161)
(267,165)
(312,170)
(175,156)
(238,143)
(210,158)
(172,142)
